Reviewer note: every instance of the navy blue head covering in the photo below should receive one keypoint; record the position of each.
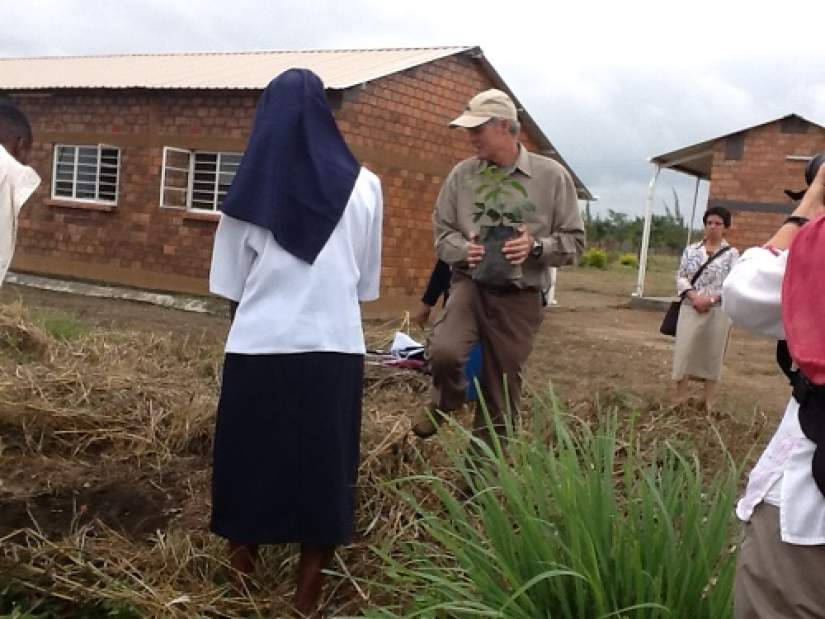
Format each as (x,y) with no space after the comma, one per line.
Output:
(297,173)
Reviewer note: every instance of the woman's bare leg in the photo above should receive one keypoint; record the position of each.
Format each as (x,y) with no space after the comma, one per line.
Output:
(681,393)
(711,389)
(310,578)
(242,558)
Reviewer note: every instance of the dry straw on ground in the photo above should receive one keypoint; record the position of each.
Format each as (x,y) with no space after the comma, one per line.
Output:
(106,443)
(104,487)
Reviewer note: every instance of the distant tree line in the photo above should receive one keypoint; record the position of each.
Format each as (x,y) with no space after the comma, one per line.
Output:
(617,232)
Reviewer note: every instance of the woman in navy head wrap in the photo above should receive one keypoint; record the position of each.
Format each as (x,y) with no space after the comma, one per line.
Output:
(297,248)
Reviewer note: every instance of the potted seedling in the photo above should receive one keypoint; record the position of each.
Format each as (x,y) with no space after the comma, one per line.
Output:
(501,202)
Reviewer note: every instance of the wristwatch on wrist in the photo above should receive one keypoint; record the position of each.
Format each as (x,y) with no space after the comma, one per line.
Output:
(797,220)
(537,248)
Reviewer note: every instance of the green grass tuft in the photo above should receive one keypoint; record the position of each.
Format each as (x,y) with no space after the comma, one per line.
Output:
(569,523)
(60,325)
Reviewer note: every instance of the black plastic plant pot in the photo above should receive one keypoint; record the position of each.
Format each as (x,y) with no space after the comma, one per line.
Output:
(494,270)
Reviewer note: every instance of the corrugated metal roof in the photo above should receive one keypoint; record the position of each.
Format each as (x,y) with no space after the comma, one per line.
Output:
(337,68)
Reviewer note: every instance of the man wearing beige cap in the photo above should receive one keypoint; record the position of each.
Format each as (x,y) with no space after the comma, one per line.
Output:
(504,319)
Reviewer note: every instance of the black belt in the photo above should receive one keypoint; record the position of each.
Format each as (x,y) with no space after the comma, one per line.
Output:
(507,290)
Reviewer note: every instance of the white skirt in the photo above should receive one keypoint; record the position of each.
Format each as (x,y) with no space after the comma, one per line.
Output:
(701,343)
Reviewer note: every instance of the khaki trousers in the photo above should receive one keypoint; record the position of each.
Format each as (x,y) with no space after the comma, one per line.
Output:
(506,324)
(775,580)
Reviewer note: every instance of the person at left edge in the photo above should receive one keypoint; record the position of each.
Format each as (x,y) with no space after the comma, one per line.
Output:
(298,246)
(17,180)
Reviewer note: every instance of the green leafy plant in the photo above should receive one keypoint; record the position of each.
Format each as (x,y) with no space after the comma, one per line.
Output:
(500,198)
(594,257)
(568,522)
(629,260)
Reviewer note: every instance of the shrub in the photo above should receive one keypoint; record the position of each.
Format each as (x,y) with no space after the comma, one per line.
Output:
(573,524)
(594,257)
(629,260)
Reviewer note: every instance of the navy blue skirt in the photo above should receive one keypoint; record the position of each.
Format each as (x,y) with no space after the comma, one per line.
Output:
(285,460)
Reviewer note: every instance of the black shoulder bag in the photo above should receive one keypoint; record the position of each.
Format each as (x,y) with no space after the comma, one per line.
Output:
(671,319)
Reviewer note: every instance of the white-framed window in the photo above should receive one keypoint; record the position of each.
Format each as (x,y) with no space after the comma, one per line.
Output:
(196,180)
(86,173)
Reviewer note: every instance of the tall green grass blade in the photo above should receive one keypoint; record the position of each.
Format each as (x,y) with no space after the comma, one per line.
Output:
(568,521)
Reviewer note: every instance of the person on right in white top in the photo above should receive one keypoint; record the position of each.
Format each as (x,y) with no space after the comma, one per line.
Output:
(778,290)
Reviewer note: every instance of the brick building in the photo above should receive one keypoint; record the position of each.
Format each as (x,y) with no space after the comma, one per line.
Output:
(749,171)
(137,152)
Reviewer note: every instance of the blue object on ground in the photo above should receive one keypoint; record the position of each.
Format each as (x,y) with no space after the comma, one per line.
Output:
(472,370)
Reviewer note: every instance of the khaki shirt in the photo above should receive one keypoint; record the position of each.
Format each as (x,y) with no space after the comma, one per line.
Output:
(556,220)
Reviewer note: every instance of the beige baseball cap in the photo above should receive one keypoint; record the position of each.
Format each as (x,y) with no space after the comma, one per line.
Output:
(485,105)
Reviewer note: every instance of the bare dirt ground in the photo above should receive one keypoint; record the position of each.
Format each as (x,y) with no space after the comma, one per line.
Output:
(142,488)
(591,342)
(591,345)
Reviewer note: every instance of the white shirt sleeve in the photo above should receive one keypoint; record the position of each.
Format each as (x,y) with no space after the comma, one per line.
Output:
(232,258)
(17,183)
(369,283)
(751,294)
(683,284)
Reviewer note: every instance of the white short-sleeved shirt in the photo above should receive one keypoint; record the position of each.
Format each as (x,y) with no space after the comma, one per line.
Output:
(286,305)
(751,296)
(17,183)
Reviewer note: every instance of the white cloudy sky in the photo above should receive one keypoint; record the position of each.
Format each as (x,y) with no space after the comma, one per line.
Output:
(611,83)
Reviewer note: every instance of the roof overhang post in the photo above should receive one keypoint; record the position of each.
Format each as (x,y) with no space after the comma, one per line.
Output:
(640,282)
(693,210)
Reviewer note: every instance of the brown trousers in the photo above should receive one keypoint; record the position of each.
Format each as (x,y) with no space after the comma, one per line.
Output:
(777,580)
(506,324)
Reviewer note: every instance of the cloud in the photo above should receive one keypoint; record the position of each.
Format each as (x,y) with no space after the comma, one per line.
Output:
(610,83)
(608,122)
(99,26)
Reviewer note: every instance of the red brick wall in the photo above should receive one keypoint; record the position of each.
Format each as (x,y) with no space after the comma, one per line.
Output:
(755,184)
(751,228)
(136,243)
(396,126)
